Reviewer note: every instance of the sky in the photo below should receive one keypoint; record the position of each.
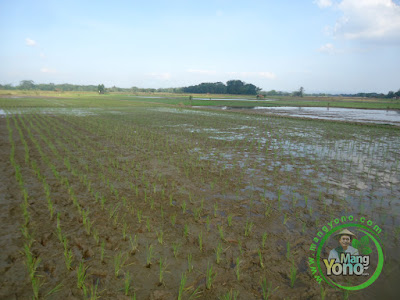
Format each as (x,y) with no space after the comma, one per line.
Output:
(327,46)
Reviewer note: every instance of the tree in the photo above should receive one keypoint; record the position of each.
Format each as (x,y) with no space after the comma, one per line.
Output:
(234,86)
(299,93)
(101,88)
(390,95)
(26,85)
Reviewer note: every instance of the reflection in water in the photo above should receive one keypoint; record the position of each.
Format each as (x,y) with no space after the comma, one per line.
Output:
(329,113)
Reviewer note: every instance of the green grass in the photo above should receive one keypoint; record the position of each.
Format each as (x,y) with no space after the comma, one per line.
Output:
(91,99)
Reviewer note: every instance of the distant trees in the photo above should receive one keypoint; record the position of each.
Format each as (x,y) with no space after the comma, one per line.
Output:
(299,93)
(236,87)
(101,88)
(27,85)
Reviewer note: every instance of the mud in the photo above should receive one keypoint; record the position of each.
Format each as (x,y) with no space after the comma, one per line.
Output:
(198,168)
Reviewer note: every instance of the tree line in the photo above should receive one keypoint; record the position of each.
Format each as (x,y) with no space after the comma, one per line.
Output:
(234,87)
(237,87)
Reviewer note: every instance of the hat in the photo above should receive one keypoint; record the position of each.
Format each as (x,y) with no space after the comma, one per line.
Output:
(346,232)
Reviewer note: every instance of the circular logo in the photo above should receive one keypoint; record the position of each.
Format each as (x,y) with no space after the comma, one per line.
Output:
(358,265)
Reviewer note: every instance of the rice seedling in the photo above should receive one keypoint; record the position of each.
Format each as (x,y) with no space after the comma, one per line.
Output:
(237,269)
(133,244)
(248,227)
(288,254)
(149,255)
(215,209)
(93,292)
(127,283)
(185,230)
(240,246)
(119,261)
(267,291)
(31,262)
(176,247)
(59,233)
(210,275)
(102,202)
(139,216)
(293,274)
(124,230)
(208,223)
(230,216)
(197,213)
(264,239)
(190,262)
(173,219)
(56,289)
(182,286)
(261,259)
(162,268)
(322,293)
(160,235)
(81,276)
(218,252)
(221,232)
(285,218)
(67,254)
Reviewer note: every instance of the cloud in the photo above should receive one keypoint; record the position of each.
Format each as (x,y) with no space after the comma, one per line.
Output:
(368,20)
(268,75)
(47,70)
(30,42)
(162,76)
(208,72)
(323,3)
(327,48)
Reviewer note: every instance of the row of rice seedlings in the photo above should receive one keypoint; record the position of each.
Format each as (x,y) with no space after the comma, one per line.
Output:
(31,261)
(118,261)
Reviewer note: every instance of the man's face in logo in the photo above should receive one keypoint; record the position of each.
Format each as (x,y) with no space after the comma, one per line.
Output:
(344,241)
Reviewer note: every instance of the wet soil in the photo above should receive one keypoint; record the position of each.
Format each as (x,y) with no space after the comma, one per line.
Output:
(170,188)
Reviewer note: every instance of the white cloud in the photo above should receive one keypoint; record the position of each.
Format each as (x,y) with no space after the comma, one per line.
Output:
(268,75)
(327,48)
(30,42)
(162,76)
(368,20)
(323,3)
(47,70)
(209,72)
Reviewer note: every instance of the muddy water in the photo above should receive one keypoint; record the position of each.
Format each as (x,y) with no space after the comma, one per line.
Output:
(376,116)
(339,114)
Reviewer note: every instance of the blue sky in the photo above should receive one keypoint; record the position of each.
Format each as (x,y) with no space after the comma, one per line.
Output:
(322,45)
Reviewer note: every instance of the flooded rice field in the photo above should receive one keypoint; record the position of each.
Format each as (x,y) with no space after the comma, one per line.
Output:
(375,116)
(175,203)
